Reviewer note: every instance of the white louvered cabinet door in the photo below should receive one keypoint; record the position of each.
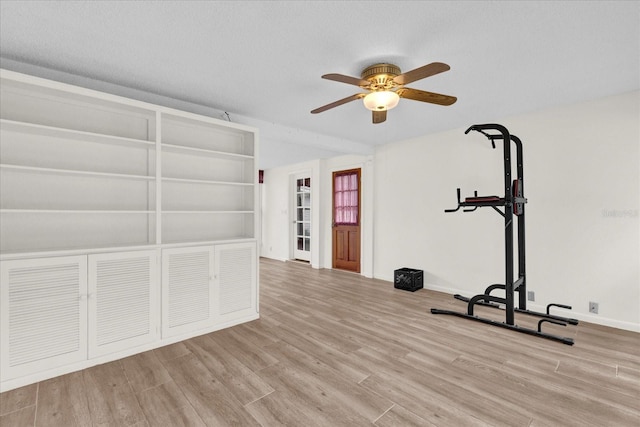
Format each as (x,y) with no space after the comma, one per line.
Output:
(43,320)
(235,281)
(123,301)
(187,297)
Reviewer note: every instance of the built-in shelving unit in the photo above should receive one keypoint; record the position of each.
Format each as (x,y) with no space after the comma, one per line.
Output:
(76,171)
(101,186)
(208,189)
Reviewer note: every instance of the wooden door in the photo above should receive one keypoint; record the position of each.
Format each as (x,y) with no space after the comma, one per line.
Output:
(346,220)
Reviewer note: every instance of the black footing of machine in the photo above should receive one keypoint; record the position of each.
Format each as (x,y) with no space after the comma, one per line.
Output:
(513,203)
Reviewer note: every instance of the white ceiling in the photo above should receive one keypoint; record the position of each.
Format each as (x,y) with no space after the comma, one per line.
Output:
(261,61)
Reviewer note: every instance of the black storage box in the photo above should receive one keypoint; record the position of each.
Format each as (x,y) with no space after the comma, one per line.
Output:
(408,279)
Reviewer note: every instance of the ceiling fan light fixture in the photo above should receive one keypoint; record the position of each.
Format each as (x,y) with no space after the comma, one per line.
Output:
(381,100)
(382,86)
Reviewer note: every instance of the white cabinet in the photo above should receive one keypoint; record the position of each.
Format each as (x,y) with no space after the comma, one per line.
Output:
(187,294)
(61,310)
(43,314)
(235,281)
(123,305)
(124,226)
(206,287)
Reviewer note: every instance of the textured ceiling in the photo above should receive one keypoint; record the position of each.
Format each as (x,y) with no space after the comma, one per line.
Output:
(263,59)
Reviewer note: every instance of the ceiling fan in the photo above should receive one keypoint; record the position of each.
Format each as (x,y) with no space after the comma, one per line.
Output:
(386,85)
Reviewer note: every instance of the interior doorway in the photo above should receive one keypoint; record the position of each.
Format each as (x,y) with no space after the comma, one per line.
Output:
(302,217)
(346,220)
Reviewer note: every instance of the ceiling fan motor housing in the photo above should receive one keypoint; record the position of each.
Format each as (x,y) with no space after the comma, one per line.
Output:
(381,76)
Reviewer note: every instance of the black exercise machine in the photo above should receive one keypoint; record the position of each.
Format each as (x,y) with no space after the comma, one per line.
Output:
(513,203)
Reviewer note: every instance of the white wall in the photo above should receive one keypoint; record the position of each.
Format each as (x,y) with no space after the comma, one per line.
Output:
(277,206)
(582,180)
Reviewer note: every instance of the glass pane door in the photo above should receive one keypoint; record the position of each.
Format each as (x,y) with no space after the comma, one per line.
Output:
(302,222)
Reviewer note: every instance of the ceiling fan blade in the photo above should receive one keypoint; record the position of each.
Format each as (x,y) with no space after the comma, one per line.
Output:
(421,73)
(338,103)
(379,116)
(347,79)
(421,95)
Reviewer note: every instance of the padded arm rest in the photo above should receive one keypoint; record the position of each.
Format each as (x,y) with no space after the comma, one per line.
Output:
(480,201)
(483,199)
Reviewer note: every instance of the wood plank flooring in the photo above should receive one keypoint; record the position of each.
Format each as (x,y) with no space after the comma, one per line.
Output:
(334,349)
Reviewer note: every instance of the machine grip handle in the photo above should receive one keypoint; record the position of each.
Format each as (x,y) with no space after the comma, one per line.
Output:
(568,307)
(456,209)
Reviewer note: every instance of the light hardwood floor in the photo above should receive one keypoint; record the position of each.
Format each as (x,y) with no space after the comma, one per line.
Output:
(334,349)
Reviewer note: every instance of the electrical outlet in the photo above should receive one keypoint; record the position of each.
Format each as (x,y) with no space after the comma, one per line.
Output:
(593,307)
(531,296)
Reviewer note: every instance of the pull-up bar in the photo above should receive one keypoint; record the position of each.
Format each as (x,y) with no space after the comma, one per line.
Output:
(513,203)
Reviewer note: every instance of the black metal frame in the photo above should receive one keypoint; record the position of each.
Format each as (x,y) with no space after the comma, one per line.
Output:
(520,284)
